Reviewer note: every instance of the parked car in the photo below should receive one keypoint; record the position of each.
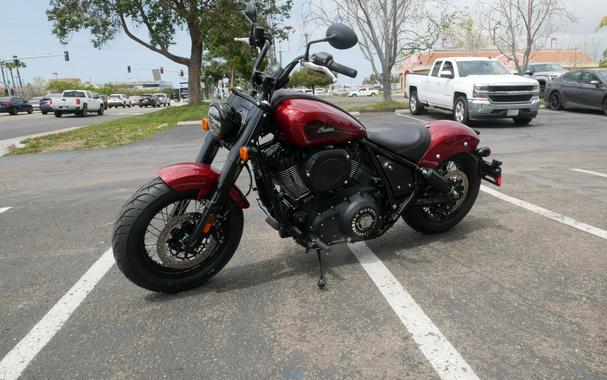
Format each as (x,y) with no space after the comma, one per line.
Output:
(162,99)
(134,100)
(363,92)
(35,102)
(118,100)
(148,101)
(78,102)
(14,104)
(579,89)
(46,103)
(544,73)
(474,88)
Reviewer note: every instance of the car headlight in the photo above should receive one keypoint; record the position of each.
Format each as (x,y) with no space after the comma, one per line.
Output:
(224,120)
(480,92)
(536,90)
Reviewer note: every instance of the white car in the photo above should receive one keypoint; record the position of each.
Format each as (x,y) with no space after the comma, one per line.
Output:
(77,102)
(118,100)
(162,99)
(474,88)
(363,92)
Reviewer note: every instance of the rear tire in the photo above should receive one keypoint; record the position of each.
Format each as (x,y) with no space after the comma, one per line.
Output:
(30,111)
(415,106)
(522,120)
(101,110)
(44,112)
(419,218)
(85,111)
(131,228)
(58,114)
(12,112)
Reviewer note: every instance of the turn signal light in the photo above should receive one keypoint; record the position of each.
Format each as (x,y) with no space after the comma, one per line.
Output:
(205,124)
(208,226)
(244,153)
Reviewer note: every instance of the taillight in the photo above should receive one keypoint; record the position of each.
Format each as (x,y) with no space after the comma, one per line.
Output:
(77,101)
(50,101)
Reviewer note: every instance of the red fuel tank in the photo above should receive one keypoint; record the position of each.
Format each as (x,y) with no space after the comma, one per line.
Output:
(308,123)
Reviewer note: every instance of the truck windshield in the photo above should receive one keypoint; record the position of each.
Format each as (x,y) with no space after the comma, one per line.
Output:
(466,68)
(73,94)
(547,67)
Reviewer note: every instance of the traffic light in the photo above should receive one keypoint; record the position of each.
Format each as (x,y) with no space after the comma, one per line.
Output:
(66,56)
(161,70)
(128,69)
(180,73)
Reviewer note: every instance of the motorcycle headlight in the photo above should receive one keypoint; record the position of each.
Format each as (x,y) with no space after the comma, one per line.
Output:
(224,120)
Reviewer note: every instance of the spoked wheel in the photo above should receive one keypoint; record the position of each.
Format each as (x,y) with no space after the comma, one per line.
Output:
(151,232)
(462,172)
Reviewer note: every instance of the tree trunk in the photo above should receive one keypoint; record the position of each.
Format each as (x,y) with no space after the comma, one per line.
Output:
(386,86)
(194,73)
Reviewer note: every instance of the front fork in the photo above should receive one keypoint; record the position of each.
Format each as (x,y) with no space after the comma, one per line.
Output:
(229,173)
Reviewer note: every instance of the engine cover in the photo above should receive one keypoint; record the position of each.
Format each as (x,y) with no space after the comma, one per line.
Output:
(357,217)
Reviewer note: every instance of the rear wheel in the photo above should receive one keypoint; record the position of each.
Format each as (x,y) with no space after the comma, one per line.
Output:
(555,101)
(462,171)
(85,111)
(149,234)
(12,111)
(58,114)
(44,112)
(101,110)
(460,110)
(415,107)
(30,111)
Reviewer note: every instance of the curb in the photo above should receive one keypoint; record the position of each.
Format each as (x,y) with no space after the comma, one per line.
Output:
(7,145)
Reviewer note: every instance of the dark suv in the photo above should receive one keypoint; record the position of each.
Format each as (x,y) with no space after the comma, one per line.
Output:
(14,104)
(147,101)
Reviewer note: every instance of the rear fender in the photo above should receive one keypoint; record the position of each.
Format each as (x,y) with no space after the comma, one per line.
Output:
(200,177)
(448,138)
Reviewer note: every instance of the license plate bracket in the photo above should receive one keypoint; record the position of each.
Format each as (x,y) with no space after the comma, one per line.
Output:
(512,112)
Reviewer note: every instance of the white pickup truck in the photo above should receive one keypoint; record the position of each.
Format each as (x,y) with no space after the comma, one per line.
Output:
(474,89)
(77,102)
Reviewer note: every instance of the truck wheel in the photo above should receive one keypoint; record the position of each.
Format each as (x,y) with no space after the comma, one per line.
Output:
(415,106)
(44,112)
(460,110)
(12,112)
(58,114)
(85,111)
(522,120)
(30,111)
(100,112)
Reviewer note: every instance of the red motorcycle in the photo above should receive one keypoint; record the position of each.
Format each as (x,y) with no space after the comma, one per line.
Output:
(321,178)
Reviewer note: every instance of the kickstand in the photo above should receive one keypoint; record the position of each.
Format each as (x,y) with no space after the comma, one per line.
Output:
(321,281)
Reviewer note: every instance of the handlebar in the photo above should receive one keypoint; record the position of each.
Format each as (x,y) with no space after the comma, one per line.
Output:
(345,70)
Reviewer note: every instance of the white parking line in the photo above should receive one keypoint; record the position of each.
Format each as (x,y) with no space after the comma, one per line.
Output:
(547,213)
(411,117)
(590,172)
(15,362)
(4,209)
(443,357)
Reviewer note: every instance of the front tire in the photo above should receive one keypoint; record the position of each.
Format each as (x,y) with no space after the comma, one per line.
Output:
(440,218)
(522,120)
(605,106)
(58,114)
(170,272)
(555,101)
(460,110)
(101,110)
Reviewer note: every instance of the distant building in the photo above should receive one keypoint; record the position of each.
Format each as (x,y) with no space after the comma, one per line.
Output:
(567,58)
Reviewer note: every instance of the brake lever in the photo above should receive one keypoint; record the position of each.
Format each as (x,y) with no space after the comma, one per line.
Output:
(323,69)
(244,40)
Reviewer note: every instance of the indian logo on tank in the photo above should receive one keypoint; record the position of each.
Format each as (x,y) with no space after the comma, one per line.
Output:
(317,128)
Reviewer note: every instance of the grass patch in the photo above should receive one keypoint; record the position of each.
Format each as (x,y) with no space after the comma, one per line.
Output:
(113,133)
(378,106)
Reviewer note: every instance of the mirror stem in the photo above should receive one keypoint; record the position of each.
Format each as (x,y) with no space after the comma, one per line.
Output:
(310,43)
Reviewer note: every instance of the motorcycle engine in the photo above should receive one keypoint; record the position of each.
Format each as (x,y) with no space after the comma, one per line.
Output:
(310,181)
(298,173)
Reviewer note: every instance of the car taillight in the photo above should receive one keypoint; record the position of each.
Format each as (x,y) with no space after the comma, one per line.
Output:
(77,101)
(50,101)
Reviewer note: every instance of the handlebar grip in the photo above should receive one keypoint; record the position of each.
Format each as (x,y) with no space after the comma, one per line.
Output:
(345,70)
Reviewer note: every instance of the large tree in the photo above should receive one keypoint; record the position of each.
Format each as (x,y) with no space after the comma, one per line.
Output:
(161,19)
(387,30)
(309,78)
(519,27)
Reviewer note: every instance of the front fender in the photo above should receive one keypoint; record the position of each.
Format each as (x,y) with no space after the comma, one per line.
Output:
(448,138)
(201,177)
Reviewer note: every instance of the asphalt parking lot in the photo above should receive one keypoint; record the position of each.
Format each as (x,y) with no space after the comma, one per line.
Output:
(516,291)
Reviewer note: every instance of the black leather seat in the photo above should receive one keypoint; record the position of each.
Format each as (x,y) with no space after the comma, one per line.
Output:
(409,141)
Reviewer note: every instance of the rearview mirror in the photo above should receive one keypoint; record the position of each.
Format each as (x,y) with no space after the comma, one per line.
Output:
(596,83)
(341,37)
(529,72)
(251,12)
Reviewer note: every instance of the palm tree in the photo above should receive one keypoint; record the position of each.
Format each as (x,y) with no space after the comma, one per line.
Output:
(603,23)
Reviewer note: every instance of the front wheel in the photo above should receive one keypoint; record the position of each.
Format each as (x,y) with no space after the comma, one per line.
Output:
(415,106)
(605,106)
(463,173)
(522,120)
(555,101)
(460,111)
(149,236)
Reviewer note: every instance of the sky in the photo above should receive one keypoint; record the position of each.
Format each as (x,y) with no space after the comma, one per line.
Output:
(26,31)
